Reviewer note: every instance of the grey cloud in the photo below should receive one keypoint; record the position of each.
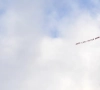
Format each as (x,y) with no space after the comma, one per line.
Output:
(22,25)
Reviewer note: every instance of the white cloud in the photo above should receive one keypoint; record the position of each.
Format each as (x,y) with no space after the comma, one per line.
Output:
(31,61)
(67,65)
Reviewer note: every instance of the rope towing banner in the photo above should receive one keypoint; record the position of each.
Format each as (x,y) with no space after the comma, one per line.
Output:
(87,41)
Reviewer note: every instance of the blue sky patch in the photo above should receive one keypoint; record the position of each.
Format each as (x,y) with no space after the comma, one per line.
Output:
(54,33)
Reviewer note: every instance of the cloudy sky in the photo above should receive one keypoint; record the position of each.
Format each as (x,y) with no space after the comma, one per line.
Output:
(37,45)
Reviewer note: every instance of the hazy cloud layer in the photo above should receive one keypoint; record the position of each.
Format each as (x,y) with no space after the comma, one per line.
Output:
(37,45)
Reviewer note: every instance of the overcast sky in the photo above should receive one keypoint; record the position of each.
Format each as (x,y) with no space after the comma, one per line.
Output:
(37,45)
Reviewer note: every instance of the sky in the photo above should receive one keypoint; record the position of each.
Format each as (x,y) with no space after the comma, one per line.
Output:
(37,45)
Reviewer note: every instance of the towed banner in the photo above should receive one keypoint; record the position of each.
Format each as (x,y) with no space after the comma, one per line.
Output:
(87,41)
